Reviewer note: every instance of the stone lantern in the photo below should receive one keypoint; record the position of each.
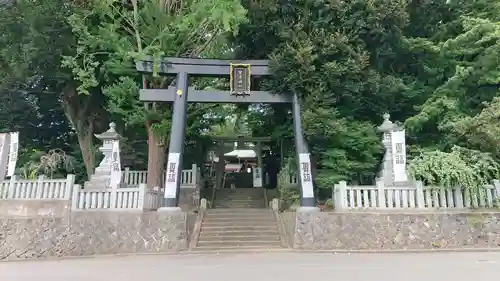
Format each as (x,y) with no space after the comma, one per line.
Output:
(102,175)
(393,168)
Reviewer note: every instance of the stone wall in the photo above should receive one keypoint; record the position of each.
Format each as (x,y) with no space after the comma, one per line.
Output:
(189,198)
(396,231)
(31,208)
(88,233)
(288,220)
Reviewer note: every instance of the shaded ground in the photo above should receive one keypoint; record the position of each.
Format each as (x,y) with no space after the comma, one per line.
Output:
(265,266)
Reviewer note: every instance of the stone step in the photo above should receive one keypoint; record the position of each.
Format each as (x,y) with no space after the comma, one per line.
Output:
(231,198)
(247,192)
(238,212)
(234,195)
(249,218)
(236,232)
(230,203)
(249,213)
(243,196)
(239,190)
(242,210)
(232,249)
(238,207)
(234,202)
(238,200)
(245,220)
(236,223)
(250,237)
(238,195)
(238,227)
(240,243)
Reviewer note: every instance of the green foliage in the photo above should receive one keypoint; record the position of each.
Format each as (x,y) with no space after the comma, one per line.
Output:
(334,56)
(35,37)
(482,130)
(348,150)
(111,36)
(470,79)
(121,34)
(54,164)
(289,193)
(461,167)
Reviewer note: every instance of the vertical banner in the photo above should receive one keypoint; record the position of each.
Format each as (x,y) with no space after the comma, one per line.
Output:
(14,147)
(257,177)
(171,177)
(4,154)
(305,175)
(116,172)
(399,156)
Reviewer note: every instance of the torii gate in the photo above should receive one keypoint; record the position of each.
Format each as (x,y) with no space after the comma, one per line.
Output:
(240,73)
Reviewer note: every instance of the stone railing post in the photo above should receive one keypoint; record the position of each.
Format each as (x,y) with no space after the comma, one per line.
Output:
(419,192)
(75,196)
(381,194)
(12,187)
(39,187)
(340,196)
(275,204)
(113,197)
(126,173)
(496,199)
(194,172)
(4,154)
(70,182)
(458,198)
(143,189)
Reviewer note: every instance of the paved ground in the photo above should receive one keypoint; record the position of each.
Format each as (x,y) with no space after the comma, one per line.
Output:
(263,267)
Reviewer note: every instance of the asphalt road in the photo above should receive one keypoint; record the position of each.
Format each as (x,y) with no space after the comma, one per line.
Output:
(262,267)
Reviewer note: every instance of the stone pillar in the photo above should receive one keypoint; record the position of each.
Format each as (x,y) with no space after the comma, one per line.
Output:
(176,146)
(102,174)
(220,165)
(4,154)
(307,200)
(258,149)
(393,168)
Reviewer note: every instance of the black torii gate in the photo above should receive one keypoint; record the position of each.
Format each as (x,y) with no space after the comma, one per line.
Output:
(240,73)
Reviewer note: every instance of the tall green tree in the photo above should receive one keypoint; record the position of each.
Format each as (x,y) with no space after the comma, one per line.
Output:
(35,36)
(334,54)
(113,34)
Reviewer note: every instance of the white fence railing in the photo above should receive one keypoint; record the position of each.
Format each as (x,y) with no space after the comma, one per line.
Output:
(413,197)
(189,178)
(138,198)
(40,188)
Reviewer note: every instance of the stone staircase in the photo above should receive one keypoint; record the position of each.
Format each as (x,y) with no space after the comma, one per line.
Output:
(240,198)
(239,221)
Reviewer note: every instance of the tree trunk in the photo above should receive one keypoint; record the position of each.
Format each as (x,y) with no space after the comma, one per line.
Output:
(156,158)
(85,141)
(77,109)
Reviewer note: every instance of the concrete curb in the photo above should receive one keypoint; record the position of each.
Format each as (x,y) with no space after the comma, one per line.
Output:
(399,251)
(194,252)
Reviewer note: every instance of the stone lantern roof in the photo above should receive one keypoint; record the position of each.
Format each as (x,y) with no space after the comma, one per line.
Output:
(110,134)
